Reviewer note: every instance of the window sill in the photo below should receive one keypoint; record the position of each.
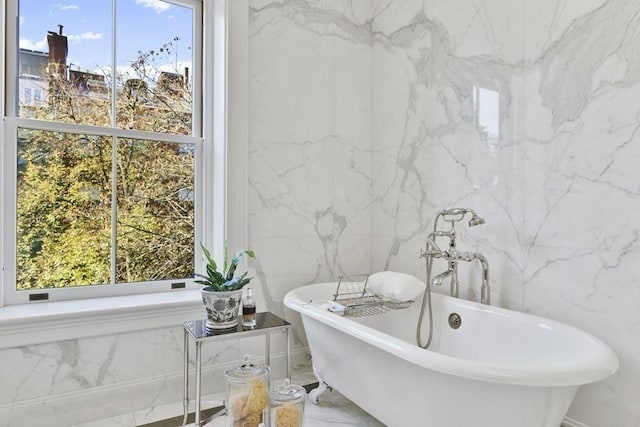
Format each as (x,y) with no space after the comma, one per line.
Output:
(39,323)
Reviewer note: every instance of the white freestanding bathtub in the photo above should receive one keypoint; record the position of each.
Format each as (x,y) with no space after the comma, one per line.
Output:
(500,368)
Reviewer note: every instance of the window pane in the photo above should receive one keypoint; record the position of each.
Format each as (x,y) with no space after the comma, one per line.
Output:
(63,209)
(69,230)
(155,229)
(65,55)
(153,44)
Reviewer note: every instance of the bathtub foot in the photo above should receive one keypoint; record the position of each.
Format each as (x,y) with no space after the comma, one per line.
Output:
(314,394)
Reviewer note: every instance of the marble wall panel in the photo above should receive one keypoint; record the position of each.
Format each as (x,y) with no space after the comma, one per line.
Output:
(582,196)
(309,141)
(443,124)
(528,112)
(70,382)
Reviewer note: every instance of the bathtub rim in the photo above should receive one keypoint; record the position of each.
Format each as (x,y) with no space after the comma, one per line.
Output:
(604,364)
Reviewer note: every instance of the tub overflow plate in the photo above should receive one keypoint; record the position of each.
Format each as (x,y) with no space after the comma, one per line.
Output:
(455,320)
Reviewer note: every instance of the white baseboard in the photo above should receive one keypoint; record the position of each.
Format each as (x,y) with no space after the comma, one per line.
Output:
(106,401)
(570,422)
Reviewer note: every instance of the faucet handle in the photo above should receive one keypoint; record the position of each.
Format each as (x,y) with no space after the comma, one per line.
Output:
(466,256)
(433,254)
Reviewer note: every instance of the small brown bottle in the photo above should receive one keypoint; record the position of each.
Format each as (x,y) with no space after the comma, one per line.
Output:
(248,310)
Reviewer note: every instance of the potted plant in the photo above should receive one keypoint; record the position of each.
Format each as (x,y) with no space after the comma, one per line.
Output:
(222,292)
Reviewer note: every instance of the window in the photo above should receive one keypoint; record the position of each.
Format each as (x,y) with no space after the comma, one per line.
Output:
(27,96)
(101,165)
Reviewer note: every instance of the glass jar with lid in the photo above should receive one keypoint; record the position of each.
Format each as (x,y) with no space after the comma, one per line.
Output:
(247,399)
(287,405)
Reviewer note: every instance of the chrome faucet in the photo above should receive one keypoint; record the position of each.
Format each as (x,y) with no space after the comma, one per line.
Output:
(451,255)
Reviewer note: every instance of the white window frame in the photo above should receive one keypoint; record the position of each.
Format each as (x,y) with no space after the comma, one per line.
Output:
(225,117)
(11,295)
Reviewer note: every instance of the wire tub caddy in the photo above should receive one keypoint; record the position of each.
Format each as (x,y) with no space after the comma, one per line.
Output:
(352,293)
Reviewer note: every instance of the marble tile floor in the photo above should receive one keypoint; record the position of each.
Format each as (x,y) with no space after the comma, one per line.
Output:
(333,410)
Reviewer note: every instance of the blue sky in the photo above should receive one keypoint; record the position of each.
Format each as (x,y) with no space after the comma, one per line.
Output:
(141,25)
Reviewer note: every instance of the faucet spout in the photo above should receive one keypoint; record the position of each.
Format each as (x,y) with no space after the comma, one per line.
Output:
(485,289)
(437,281)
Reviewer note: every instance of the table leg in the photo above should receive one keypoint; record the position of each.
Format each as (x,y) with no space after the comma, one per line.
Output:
(198,382)
(185,395)
(267,348)
(288,352)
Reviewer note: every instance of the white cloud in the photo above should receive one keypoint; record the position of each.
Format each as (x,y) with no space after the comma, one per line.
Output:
(157,5)
(89,35)
(22,19)
(40,45)
(126,71)
(177,68)
(123,72)
(64,6)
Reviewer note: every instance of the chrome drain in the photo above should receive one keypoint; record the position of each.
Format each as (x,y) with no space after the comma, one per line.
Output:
(455,320)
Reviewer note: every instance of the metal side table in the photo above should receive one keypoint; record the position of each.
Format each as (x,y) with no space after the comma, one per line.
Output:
(195,330)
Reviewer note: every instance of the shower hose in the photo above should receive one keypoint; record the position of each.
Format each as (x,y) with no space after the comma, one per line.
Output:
(426,301)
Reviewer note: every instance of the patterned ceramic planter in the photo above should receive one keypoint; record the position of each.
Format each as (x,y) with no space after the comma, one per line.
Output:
(222,308)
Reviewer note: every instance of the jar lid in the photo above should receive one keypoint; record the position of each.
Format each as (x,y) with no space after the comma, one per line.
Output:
(247,371)
(287,392)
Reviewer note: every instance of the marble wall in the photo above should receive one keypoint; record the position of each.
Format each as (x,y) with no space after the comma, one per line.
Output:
(365,118)
(527,111)
(310,220)
(310,157)
(75,382)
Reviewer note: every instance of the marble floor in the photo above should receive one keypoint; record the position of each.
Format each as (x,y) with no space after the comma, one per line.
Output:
(333,410)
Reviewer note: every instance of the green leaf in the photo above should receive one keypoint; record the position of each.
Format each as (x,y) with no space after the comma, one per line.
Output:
(240,254)
(224,281)
(237,282)
(207,255)
(205,282)
(236,260)
(215,276)
(224,267)
(244,281)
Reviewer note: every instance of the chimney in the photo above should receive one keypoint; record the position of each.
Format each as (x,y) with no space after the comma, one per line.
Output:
(58,50)
(60,27)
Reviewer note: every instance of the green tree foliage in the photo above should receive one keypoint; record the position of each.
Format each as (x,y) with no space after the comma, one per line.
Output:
(66,183)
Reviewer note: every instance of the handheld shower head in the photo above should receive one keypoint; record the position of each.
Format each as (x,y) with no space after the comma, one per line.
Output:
(475,220)
(457,214)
